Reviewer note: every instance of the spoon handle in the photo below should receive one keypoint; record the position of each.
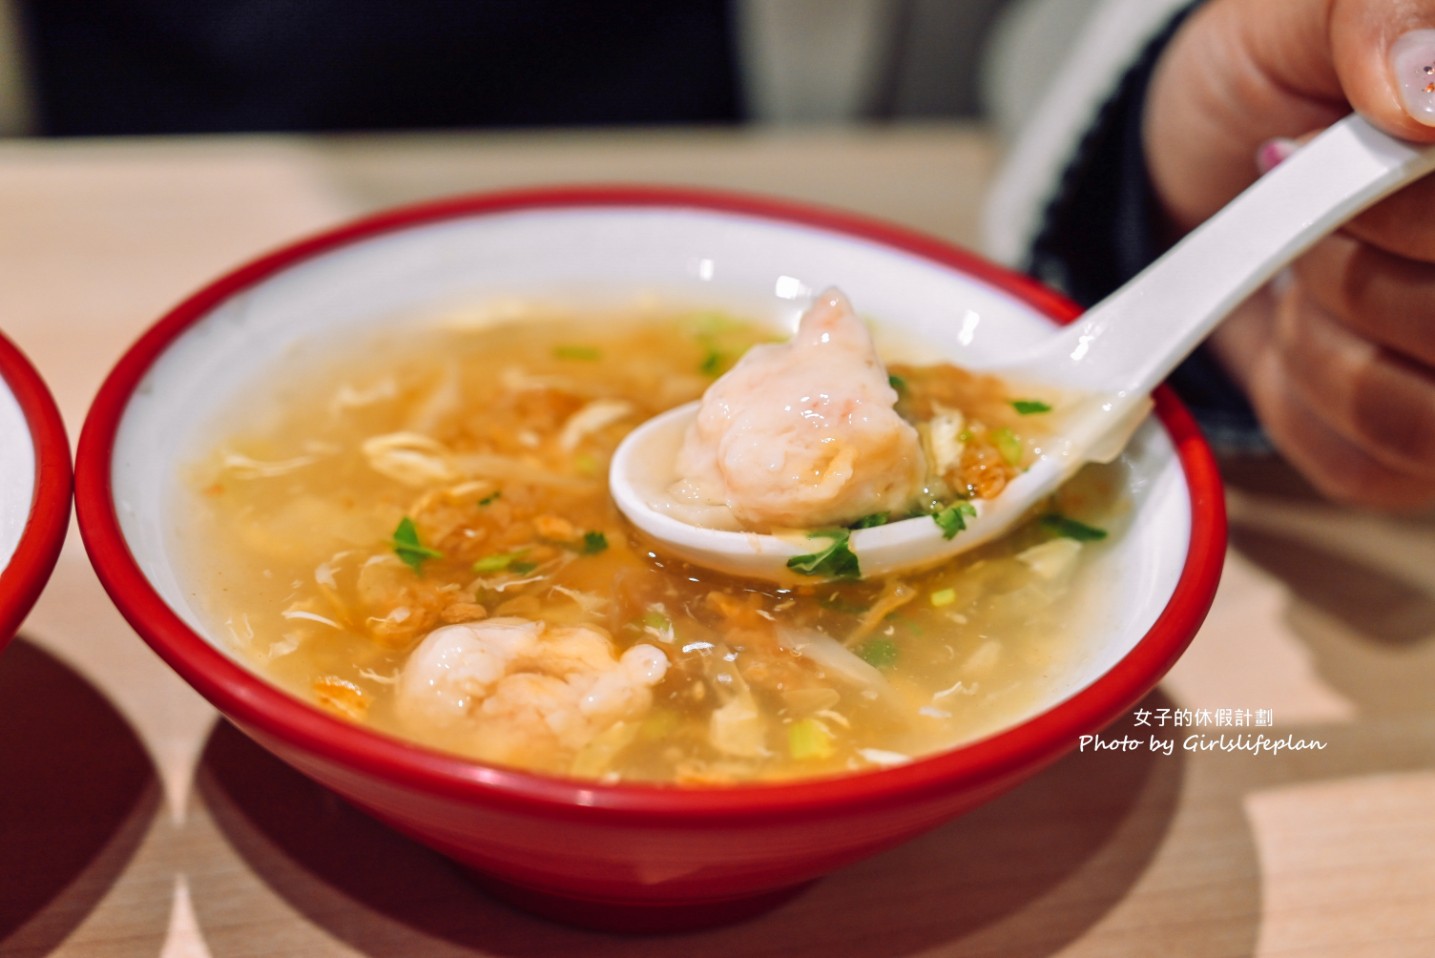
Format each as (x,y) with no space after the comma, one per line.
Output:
(1130,341)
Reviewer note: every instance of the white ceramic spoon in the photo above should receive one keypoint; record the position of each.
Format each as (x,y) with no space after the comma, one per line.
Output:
(1115,354)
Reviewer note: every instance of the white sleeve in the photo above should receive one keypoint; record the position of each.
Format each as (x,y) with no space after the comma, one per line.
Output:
(1050,67)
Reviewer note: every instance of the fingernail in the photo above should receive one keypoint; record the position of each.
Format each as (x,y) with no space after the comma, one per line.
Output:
(1270,153)
(1413,59)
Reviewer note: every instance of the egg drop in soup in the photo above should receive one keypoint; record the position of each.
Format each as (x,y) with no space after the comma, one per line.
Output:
(414,532)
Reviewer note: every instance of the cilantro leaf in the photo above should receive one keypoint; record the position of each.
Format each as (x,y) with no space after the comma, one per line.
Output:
(408,548)
(594,542)
(1027,407)
(712,362)
(837,601)
(868,522)
(953,519)
(491,497)
(834,562)
(879,652)
(1060,525)
(897,382)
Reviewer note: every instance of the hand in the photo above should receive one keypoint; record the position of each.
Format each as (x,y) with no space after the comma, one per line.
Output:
(1338,358)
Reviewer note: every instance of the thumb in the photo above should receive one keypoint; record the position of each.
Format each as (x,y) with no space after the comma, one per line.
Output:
(1384,57)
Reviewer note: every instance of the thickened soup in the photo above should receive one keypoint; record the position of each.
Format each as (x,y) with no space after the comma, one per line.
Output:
(415,533)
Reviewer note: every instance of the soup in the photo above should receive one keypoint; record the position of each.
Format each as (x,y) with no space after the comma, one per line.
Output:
(416,534)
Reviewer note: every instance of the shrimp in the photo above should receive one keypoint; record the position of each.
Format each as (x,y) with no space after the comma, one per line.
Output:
(514,690)
(804,434)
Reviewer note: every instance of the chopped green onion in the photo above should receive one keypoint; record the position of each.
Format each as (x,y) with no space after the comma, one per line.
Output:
(897,383)
(943,597)
(594,542)
(498,562)
(868,522)
(491,498)
(712,362)
(879,653)
(407,546)
(1008,444)
(834,562)
(809,738)
(1060,525)
(953,519)
(1027,407)
(587,353)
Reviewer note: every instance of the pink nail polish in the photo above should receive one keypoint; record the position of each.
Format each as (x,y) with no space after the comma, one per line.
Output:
(1412,57)
(1270,153)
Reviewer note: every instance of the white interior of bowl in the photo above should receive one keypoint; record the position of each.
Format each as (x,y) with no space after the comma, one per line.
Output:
(17,473)
(613,253)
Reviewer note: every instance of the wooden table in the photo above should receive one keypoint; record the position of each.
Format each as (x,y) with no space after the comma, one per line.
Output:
(132,822)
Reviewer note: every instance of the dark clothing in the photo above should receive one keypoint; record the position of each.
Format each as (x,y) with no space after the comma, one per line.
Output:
(202,66)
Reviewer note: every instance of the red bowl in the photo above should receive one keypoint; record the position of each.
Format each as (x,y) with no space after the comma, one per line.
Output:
(615,856)
(34,487)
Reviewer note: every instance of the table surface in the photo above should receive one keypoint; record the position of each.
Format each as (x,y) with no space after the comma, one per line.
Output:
(133,822)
